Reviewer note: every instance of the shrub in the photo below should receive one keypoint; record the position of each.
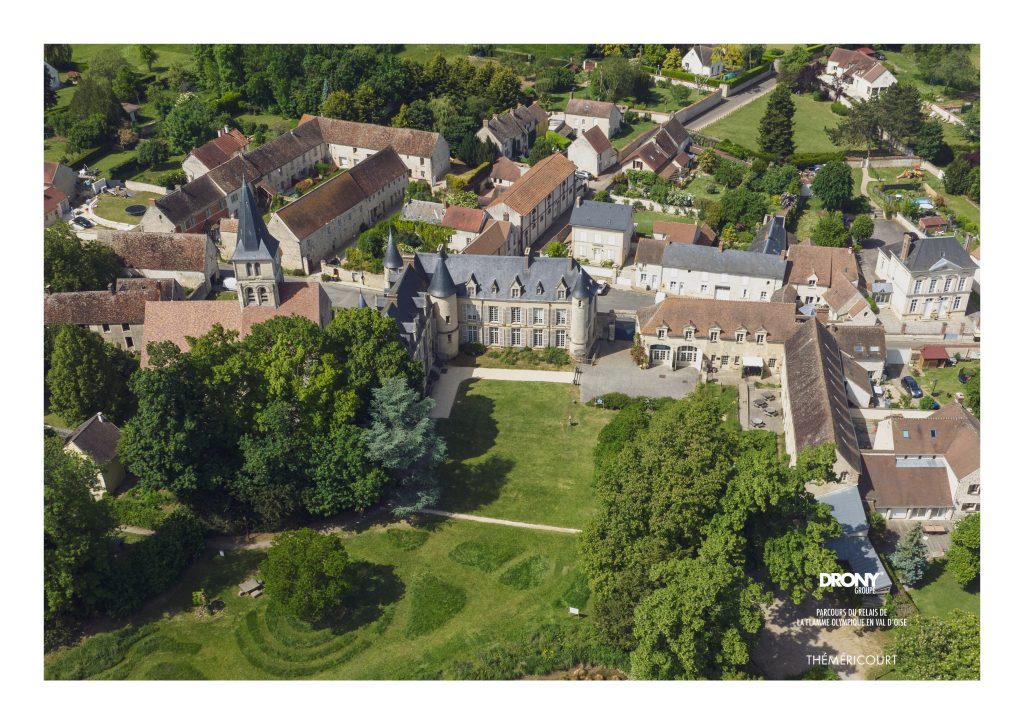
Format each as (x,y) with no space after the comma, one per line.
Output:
(528,573)
(473,349)
(839,109)
(173,178)
(820,95)
(487,555)
(406,539)
(143,508)
(613,400)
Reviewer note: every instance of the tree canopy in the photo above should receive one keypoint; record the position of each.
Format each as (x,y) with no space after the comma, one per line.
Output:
(70,265)
(833,184)
(87,375)
(931,648)
(305,574)
(775,132)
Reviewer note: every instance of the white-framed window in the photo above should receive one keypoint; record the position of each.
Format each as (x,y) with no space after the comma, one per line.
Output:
(771,361)
(961,283)
(538,315)
(947,284)
(472,335)
(974,489)
(956,303)
(561,294)
(493,314)
(515,292)
(538,338)
(517,315)
(764,296)
(643,277)
(741,336)
(560,316)
(917,286)
(517,338)
(703,288)
(932,284)
(560,338)
(760,338)
(661,334)
(470,312)
(714,335)
(492,336)
(913,306)
(688,334)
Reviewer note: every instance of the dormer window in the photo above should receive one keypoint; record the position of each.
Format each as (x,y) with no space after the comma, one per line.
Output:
(662,333)
(540,288)
(494,287)
(515,292)
(760,338)
(858,348)
(688,334)
(714,335)
(741,336)
(812,281)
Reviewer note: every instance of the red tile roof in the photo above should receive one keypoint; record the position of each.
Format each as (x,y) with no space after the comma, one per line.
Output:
(155,250)
(464,219)
(934,351)
(221,149)
(537,184)
(175,321)
(597,140)
(683,233)
(52,198)
(126,306)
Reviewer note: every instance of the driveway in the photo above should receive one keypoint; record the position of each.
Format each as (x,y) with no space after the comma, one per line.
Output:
(731,103)
(624,301)
(615,371)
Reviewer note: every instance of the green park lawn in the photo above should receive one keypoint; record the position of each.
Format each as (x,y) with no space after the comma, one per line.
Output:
(943,383)
(940,593)
(112,208)
(629,131)
(513,454)
(904,67)
(422,600)
(812,117)
(645,220)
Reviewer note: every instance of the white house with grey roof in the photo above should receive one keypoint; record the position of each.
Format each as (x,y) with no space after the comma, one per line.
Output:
(442,302)
(583,114)
(700,60)
(601,231)
(931,278)
(708,272)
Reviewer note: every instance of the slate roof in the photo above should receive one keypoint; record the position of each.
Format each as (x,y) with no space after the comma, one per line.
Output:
(704,52)
(597,140)
(441,284)
(678,313)
(929,251)
(314,210)
(863,343)
(465,219)
(888,486)
(392,258)
(97,437)
(220,150)
(406,141)
(506,126)
(587,107)
(157,250)
(651,154)
(492,240)
(772,237)
(430,212)
(175,321)
(486,271)
(126,306)
(681,232)
(817,393)
(537,184)
(603,215)
(253,241)
(853,544)
(728,261)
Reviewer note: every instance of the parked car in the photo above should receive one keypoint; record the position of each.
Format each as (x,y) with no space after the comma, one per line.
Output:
(585,175)
(602,287)
(911,386)
(82,222)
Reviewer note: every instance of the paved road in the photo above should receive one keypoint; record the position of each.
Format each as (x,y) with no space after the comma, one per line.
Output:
(731,103)
(622,300)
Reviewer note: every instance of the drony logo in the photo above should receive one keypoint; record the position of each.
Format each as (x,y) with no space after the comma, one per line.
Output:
(861,582)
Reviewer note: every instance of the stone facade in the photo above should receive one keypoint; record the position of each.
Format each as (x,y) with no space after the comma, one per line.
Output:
(931,278)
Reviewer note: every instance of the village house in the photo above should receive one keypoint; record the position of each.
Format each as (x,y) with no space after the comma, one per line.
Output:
(826,279)
(427,212)
(864,345)
(602,232)
(665,153)
(262,292)
(700,60)
(467,223)
(772,237)
(441,302)
(593,152)
(582,114)
(681,232)
(514,131)
(504,173)
(96,439)
(275,167)
(815,399)
(724,337)
(229,143)
(497,239)
(543,193)
(933,225)
(189,259)
(925,468)
(55,205)
(860,76)
(117,314)
(694,270)
(60,191)
(931,277)
(322,222)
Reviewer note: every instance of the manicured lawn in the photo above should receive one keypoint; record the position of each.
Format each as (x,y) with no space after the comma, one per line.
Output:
(513,454)
(112,207)
(940,593)
(631,131)
(961,207)
(166,55)
(946,381)
(424,53)
(645,220)
(904,67)
(419,602)
(813,211)
(812,117)
(54,420)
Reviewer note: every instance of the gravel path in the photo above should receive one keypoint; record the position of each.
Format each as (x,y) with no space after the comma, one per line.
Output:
(499,521)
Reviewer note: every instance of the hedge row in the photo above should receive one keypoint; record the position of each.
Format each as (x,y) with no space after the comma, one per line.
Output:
(756,70)
(679,74)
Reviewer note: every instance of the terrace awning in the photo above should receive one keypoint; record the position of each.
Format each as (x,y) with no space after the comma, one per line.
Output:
(753,361)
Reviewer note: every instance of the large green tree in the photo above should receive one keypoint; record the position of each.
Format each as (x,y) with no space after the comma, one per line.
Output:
(931,144)
(87,376)
(910,558)
(58,55)
(860,127)
(95,96)
(964,555)
(933,648)
(775,133)
(305,574)
(743,206)
(76,528)
(148,56)
(956,176)
(900,111)
(792,64)
(69,265)
(830,230)
(833,184)
(189,125)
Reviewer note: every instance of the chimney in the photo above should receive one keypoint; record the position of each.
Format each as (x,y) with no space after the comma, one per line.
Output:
(48,289)
(112,288)
(579,201)
(967,243)
(152,202)
(905,249)
(526,256)
(99,416)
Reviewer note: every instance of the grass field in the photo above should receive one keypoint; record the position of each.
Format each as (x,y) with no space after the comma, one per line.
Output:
(645,220)
(812,117)
(631,131)
(905,68)
(166,55)
(513,454)
(946,381)
(421,600)
(940,593)
(112,207)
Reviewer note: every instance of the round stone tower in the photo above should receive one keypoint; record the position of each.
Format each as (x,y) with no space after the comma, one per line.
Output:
(446,312)
(580,321)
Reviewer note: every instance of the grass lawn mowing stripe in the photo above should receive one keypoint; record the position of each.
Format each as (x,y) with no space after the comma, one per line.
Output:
(487,555)
(434,603)
(528,573)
